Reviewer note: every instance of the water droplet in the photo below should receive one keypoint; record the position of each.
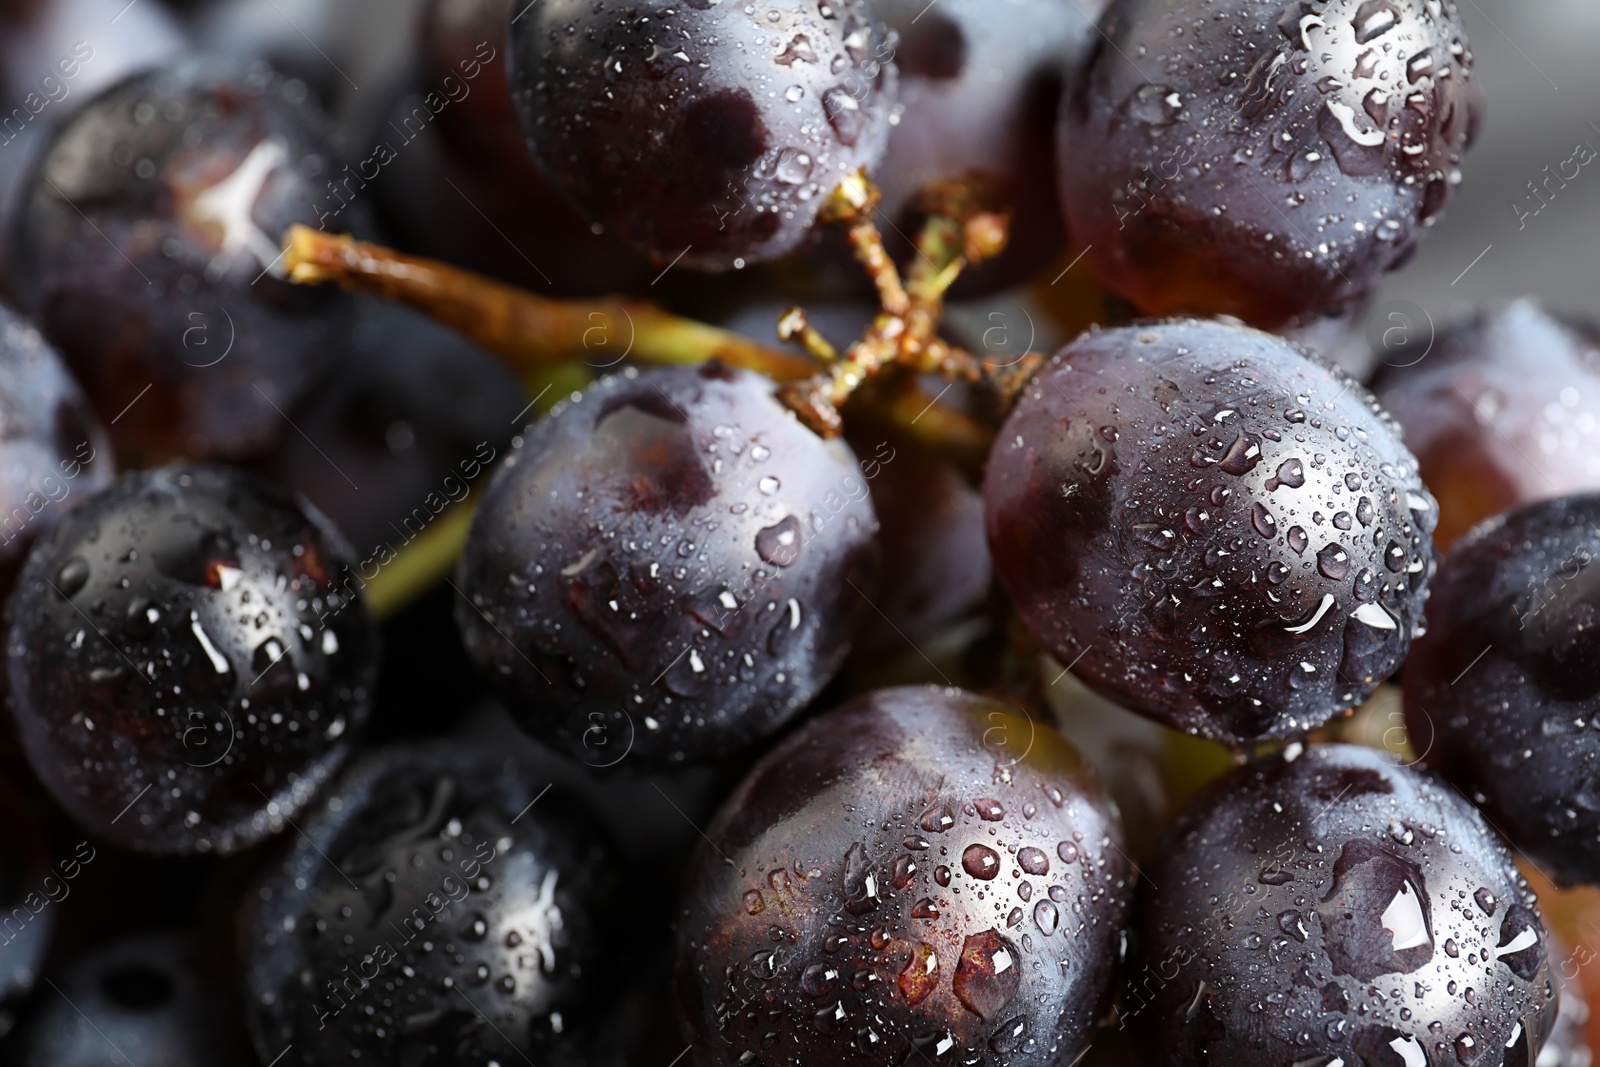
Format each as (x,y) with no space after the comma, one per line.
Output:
(1241,457)
(1485,900)
(1376,916)
(1521,945)
(980,861)
(1008,1035)
(987,974)
(1291,473)
(1067,851)
(989,810)
(1154,105)
(753,904)
(1045,917)
(938,819)
(1263,521)
(1374,19)
(1298,540)
(1334,562)
(1033,860)
(779,544)
(921,974)
(941,874)
(860,881)
(72,577)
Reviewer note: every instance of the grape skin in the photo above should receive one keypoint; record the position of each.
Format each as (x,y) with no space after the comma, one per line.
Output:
(704,134)
(1210,527)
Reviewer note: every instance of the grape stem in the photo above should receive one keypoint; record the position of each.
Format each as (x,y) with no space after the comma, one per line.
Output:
(533,333)
(960,231)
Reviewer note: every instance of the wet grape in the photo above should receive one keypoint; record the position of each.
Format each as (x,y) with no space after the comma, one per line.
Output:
(413,414)
(919,871)
(1325,905)
(435,890)
(1211,528)
(936,565)
(1502,695)
(189,659)
(53,450)
(156,998)
(670,565)
(462,186)
(146,250)
(1264,159)
(705,134)
(1501,411)
(981,86)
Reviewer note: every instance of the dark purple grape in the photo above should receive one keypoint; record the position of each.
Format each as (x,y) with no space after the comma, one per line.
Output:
(53,450)
(1264,159)
(153,999)
(1211,528)
(672,551)
(701,133)
(439,908)
(189,659)
(1325,905)
(414,415)
(922,873)
(54,55)
(461,184)
(147,246)
(981,86)
(935,558)
(1503,693)
(1502,410)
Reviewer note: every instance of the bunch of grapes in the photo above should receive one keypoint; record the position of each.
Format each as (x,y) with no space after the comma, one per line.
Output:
(466,668)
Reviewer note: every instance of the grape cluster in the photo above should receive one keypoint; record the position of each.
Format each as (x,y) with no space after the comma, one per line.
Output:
(470,668)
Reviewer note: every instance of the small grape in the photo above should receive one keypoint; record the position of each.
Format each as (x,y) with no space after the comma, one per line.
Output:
(1501,410)
(702,133)
(920,869)
(1502,693)
(146,251)
(1264,159)
(670,566)
(1211,528)
(1325,905)
(439,907)
(189,659)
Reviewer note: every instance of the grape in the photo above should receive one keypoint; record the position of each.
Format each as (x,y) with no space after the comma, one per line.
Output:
(439,908)
(146,247)
(1210,528)
(463,187)
(935,559)
(413,414)
(156,998)
(1500,411)
(670,559)
(920,873)
(189,659)
(1502,694)
(53,451)
(1323,905)
(1264,159)
(981,84)
(704,134)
